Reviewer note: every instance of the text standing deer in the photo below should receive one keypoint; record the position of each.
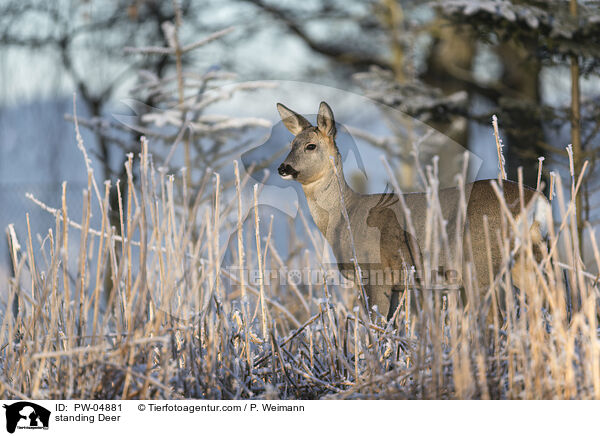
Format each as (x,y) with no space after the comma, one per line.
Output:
(371,229)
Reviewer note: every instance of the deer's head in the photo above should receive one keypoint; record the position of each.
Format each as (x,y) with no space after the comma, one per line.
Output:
(312,147)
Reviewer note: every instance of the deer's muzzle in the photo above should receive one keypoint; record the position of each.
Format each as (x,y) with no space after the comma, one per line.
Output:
(287,171)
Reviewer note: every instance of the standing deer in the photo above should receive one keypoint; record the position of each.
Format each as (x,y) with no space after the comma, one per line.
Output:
(372,231)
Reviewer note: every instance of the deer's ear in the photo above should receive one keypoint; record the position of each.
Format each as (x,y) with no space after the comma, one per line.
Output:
(325,120)
(294,122)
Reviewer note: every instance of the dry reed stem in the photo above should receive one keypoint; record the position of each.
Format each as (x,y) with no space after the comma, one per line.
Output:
(261,281)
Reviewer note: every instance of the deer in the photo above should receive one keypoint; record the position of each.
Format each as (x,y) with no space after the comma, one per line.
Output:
(371,230)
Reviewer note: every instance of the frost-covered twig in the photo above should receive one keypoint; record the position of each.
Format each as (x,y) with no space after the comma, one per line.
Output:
(499,147)
(187,48)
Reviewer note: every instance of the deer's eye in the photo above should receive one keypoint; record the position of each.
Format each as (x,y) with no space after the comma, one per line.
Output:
(311,146)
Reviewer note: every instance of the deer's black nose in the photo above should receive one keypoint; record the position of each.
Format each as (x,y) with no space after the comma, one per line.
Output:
(287,170)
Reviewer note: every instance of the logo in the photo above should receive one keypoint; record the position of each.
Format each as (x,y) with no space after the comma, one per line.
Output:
(26,415)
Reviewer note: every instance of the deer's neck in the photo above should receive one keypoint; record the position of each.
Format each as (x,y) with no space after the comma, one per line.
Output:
(326,198)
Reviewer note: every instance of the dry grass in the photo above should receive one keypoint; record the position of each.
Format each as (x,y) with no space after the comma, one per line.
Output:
(92,323)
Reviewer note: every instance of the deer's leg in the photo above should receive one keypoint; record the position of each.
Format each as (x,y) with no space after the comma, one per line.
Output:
(394,301)
(380,296)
